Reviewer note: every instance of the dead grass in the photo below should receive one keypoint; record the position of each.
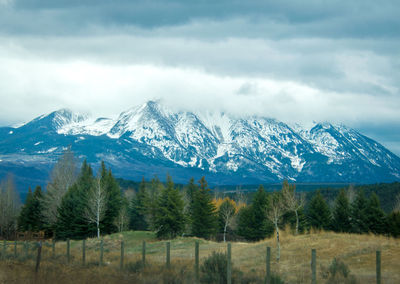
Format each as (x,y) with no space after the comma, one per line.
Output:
(356,251)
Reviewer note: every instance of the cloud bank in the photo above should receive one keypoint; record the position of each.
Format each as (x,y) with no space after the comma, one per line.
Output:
(296,61)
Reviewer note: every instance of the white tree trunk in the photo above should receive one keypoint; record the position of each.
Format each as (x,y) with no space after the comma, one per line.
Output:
(278,254)
(226,225)
(297,222)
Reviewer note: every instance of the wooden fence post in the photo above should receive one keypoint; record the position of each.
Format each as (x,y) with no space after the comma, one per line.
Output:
(144,253)
(229,265)
(168,254)
(121,264)
(26,249)
(196,261)
(4,249)
(53,248)
(15,249)
(101,252)
(313,266)
(268,266)
(39,256)
(83,252)
(68,251)
(378,267)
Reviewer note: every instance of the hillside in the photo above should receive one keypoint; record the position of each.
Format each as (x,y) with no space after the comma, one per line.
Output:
(356,251)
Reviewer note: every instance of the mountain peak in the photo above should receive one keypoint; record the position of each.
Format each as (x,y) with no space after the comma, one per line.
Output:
(250,147)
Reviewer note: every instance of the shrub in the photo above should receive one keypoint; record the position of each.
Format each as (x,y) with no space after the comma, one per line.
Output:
(135,267)
(339,272)
(214,268)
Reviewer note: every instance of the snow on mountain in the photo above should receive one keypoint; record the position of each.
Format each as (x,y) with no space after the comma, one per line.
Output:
(88,126)
(252,148)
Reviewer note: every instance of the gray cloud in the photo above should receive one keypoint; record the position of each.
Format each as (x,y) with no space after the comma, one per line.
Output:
(294,60)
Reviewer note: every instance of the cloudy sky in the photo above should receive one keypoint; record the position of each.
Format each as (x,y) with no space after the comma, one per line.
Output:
(297,61)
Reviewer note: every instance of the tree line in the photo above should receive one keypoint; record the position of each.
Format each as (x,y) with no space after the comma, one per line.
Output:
(78,204)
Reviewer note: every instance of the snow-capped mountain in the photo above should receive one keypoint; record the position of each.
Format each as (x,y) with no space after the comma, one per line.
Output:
(153,139)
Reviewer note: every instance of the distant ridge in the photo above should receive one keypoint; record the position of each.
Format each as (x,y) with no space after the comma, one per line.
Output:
(152,139)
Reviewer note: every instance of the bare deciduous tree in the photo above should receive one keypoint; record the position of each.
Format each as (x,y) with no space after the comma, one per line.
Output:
(62,177)
(396,207)
(240,197)
(274,213)
(292,202)
(122,220)
(227,209)
(9,207)
(96,205)
(351,194)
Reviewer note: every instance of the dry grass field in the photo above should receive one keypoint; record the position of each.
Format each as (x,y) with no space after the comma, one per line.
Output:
(356,251)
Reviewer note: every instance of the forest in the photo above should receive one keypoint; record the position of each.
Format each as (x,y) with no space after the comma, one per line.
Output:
(79,203)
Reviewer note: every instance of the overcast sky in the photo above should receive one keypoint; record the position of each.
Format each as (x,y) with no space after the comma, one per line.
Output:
(296,61)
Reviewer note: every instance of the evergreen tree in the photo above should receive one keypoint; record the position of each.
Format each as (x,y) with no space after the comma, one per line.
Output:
(138,209)
(113,203)
(24,222)
(318,213)
(341,213)
(170,220)
(31,216)
(154,190)
(204,219)
(245,220)
(252,221)
(71,222)
(290,218)
(375,216)
(188,200)
(190,192)
(393,221)
(358,214)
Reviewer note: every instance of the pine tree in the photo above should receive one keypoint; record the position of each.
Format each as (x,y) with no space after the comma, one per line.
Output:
(138,209)
(170,220)
(31,216)
(318,213)
(252,220)
(113,203)
(188,200)
(341,213)
(38,209)
(204,219)
(154,190)
(393,221)
(245,221)
(358,214)
(375,216)
(71,222)
(24,222)
(190,192)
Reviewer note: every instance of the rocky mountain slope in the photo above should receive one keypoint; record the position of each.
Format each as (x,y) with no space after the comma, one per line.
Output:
(152,139)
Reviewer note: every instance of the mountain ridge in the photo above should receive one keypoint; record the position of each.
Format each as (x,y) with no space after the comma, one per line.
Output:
(224,147)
